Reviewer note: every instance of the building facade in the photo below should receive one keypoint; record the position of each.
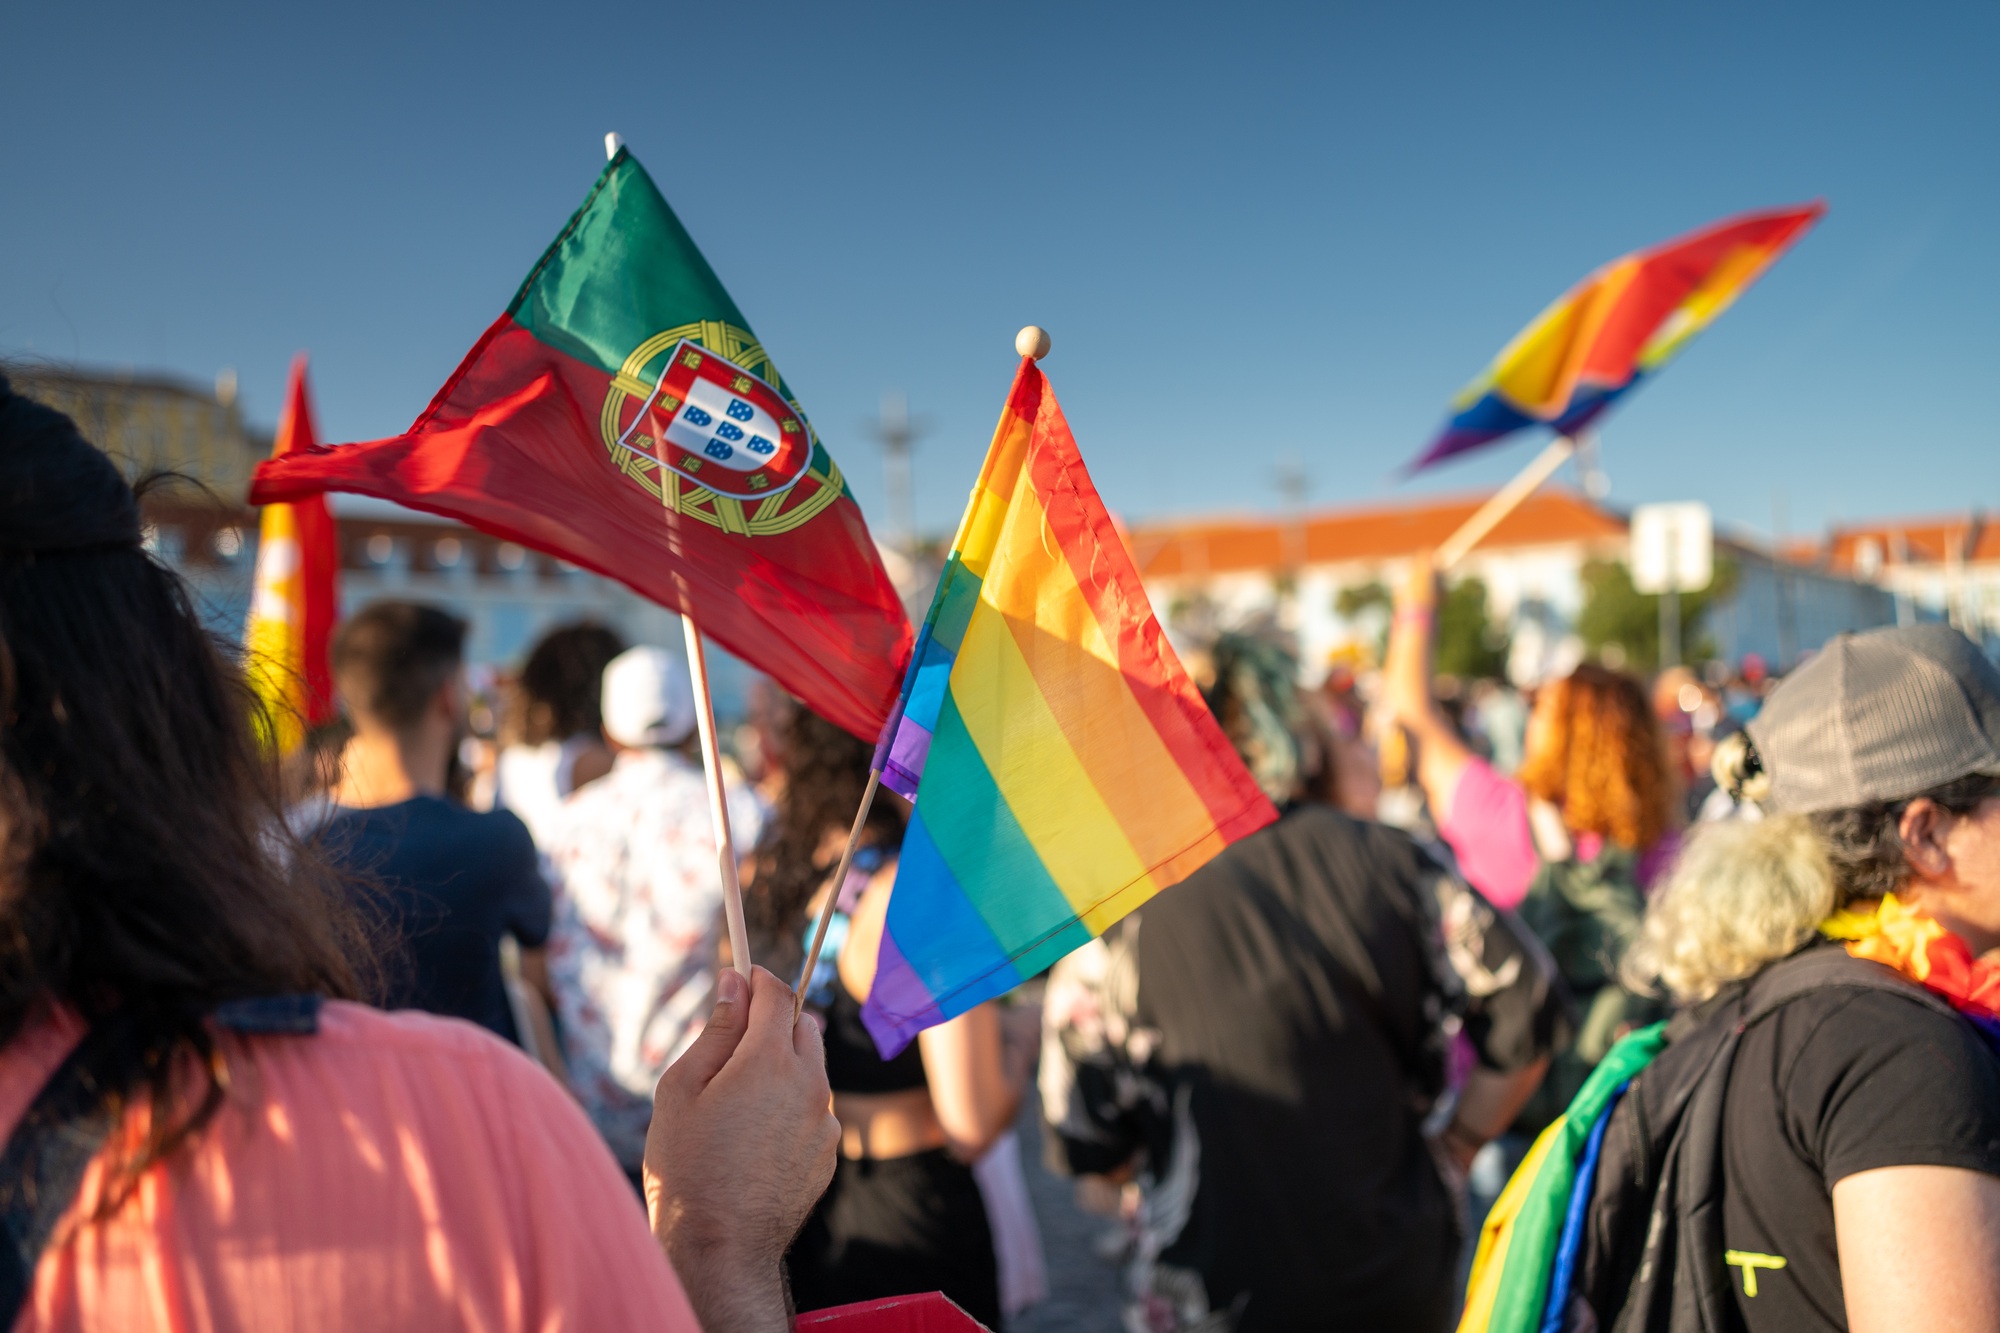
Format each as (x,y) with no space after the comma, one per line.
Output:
(1936,568)
(1291,573)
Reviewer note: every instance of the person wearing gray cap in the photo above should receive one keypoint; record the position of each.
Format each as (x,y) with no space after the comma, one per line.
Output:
(1855,1126)
(638,904)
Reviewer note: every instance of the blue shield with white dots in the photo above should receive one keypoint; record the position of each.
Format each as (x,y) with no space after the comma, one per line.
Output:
(721,427)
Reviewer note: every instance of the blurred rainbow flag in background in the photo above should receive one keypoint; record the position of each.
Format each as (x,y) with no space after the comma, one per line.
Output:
(1064,767)
(1617,326)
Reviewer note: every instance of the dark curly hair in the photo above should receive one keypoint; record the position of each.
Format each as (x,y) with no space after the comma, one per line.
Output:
(825,771)
(562,682)
(146,874)
(1864,842)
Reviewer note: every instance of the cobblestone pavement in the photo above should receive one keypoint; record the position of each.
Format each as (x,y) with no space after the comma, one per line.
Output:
(1083,1289)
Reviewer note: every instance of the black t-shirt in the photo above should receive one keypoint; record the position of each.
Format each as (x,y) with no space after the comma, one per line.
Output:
(449,883)
(1835,1083)
(1297,983)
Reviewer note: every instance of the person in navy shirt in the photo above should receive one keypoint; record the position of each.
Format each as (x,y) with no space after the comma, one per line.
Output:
(447,884)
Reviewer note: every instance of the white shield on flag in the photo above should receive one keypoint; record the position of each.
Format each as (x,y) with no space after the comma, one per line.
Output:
(720,427)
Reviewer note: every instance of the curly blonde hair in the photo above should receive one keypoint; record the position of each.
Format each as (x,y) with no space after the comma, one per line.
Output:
(1605,762)
(1742,894)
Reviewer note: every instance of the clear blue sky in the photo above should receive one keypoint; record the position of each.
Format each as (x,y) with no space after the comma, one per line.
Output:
(1254,230)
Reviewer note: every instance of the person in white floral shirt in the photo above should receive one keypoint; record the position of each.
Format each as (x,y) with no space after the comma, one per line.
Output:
(638,903)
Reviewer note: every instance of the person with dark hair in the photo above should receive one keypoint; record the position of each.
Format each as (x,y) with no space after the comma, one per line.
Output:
(1267,1046)
(633,958)
(1857,1131)
(905,1212)
(201,1127)
(449,883)
(555,728)
(820,773)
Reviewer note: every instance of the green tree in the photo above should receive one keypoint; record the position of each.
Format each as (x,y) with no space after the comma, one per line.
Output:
(1616,612)
(1469,644)
(1353,601)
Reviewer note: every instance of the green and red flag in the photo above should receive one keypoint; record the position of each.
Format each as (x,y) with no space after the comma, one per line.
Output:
(622,415)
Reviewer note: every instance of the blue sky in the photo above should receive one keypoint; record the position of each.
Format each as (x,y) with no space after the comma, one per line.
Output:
(1256,232)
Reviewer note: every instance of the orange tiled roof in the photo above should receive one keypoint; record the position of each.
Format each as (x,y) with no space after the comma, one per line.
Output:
(1220,546)
(1971,536)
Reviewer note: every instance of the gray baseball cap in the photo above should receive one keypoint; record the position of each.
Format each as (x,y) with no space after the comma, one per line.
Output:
(1880,716)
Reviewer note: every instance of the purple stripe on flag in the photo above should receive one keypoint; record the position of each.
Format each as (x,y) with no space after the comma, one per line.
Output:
(903,767)
(890,728)
(899,1006)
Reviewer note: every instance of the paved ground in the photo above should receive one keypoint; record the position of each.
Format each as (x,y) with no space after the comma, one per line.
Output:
(1083,1289)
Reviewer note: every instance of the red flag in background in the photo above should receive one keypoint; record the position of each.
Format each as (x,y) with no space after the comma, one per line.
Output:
(621,415)
(292,600)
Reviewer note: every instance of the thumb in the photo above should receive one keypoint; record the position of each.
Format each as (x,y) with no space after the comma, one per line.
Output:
(703,1060)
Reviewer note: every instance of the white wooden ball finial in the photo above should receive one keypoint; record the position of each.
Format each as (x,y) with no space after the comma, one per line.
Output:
(1032,341)
(612,143)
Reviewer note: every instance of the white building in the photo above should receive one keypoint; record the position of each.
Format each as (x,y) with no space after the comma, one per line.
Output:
(1209,573)
(1937,568)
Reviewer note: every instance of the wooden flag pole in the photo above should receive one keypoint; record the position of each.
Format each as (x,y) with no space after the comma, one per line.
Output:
(718,800)
(833,891)
(1393,756)
(1504,502)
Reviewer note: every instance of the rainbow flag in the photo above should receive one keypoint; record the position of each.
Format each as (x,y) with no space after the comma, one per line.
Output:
(1063,766)
(1617,326)
(1530,1241)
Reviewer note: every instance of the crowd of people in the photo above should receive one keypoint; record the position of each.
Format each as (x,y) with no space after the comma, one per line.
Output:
(443,1030)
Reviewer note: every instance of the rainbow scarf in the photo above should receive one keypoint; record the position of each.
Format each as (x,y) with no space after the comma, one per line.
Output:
(1064,768)
(1916,945)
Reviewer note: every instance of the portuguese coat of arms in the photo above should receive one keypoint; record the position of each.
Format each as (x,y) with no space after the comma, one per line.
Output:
(716,440)
(720,427)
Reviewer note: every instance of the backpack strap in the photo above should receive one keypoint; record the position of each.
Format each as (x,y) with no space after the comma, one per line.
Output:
(42,1166)
(1829,967)
(44,1160)
(1682,1277)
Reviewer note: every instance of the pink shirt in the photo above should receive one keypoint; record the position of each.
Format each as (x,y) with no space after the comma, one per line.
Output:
(1487,828)
(393,1172)
(1488,831)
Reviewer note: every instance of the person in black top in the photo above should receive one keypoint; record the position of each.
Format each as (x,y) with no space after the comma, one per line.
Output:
(450,882)
(1860,1131)
(904,1213)
(1266,1044)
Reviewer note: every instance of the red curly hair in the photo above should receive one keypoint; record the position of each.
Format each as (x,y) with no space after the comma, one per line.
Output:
(1604,762)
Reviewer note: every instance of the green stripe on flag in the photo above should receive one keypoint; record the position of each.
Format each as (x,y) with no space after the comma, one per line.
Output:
(623,270)
(1528,1249)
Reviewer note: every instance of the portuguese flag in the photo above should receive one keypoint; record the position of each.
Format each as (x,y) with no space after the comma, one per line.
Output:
(622,415)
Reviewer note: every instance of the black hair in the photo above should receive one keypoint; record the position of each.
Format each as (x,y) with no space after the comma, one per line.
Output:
(826,770)
(390,659)
(146,874)
(1865,843)
(562,683)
